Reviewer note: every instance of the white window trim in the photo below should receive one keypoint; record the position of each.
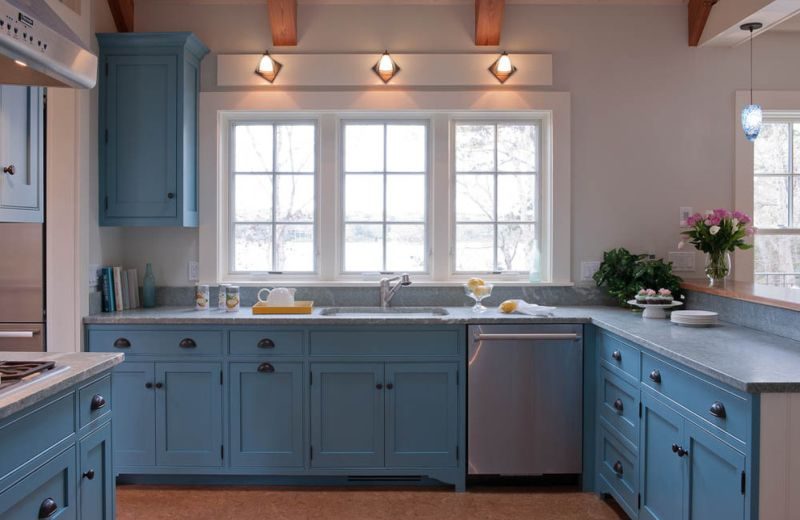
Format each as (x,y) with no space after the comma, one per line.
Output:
(776,105)
(218,108)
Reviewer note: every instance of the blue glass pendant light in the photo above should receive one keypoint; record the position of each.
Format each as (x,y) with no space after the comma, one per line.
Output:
(751,114)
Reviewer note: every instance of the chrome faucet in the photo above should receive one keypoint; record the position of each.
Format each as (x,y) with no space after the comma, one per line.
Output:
(388,290)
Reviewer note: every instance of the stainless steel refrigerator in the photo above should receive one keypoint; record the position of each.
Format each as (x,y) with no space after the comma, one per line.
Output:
(22,304)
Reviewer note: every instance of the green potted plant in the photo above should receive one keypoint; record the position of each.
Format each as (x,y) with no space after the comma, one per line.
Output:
(623,274)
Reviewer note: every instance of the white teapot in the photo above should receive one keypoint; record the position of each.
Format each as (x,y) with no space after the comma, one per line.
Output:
(279,296)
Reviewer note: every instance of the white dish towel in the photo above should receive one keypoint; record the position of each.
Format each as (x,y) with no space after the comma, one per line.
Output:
(531,309)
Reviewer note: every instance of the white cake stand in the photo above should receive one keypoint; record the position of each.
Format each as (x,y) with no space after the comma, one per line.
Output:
(655,312)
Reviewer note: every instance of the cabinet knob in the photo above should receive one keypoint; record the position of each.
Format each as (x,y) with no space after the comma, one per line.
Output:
(148,385)
(159,385)
(89,475)
(379,386)
(618,406)
(679,450)
(617,355)
(48,508)
(170,195)
(389,386)
(187,343)
(266,343)
(718,410)
(618,468)
(266,368)
(122,343)
(655,376)
(10,169)
(98,401)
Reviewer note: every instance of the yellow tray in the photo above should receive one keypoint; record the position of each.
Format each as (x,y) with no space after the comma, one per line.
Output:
(299,307)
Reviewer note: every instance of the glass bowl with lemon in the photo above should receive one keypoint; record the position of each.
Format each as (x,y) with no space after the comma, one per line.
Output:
(478,289)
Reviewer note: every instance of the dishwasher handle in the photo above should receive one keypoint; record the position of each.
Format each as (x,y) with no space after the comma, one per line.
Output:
(527,337)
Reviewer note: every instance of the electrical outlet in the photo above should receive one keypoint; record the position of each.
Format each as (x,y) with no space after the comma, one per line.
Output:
(588,269)
(94,275)
(194,271)
(686,212)
(682,261)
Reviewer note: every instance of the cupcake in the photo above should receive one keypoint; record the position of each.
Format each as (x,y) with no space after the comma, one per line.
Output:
(641,297)
(652,297)
(665,295)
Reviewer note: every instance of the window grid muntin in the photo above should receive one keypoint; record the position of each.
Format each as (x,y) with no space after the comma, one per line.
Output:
(496,174)
(384,223)
(273,174)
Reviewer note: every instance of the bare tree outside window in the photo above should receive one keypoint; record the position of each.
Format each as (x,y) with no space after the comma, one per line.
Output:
(273,204)
(496,177)
(776,203)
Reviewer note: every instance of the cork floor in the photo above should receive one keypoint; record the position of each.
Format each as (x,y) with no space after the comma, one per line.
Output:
(222,503)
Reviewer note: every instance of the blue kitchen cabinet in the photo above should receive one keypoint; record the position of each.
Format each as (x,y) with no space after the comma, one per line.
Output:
(347,415)
(133,390)
(48,492)
(662,470)
(421,414)
(96,477)
(188,414)
(149,85)
(21,154)
(266,403)
(715,480)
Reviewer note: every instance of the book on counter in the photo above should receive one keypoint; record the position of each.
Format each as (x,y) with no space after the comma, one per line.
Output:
(120,289)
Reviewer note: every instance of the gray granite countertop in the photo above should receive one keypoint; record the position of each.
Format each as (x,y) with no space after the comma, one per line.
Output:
(743,358)
(71,369)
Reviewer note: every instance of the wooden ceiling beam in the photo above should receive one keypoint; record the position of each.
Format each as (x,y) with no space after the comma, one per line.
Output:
(283,22)
(122,11)
(698,16)
(488,21)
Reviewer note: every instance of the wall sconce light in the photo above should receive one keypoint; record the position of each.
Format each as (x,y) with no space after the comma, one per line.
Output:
(386,68)
(502,68)
(268,68)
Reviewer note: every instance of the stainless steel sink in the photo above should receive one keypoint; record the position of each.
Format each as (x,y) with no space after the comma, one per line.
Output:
(389,311)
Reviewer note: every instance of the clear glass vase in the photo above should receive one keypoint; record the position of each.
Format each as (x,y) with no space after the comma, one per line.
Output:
(718,268)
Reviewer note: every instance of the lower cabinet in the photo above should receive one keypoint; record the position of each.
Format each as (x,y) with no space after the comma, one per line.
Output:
(397,415)
(173,414)
(266,414)
(48,492)
(96,478)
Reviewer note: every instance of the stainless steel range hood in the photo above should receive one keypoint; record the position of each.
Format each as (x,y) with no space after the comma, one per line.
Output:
(38,48)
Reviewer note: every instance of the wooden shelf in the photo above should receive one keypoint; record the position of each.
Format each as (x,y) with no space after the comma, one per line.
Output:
(782,297)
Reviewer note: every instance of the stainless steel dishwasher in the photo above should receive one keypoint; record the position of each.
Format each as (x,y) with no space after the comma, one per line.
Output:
(525,399)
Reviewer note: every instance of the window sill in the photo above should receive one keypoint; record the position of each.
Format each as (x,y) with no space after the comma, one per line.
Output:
(783,297)
(374,283)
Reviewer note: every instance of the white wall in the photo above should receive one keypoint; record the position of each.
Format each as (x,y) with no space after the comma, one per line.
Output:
(652,120)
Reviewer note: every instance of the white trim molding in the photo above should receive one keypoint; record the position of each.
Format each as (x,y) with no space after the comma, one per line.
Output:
(218,108)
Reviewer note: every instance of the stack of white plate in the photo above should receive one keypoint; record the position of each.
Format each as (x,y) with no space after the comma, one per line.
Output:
(694,318)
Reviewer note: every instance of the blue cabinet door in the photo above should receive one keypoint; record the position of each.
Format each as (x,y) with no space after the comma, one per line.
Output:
(421,414)
(662,470)
(21,154)
(714,484)
(189,414)
(266,414)
(49,489)
(134,426)
(347,414)
(140,163)
(95,477)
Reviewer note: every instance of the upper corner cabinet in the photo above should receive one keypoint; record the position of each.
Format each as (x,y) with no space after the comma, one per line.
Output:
(149,85)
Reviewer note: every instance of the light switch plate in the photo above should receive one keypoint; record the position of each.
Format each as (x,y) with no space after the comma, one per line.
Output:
(686,212)
(588,269)
(94,275)
(682,261)
(194,271)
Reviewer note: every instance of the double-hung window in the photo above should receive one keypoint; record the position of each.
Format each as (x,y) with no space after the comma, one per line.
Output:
(385,175)
(497,178)
(776,208)
(272,206)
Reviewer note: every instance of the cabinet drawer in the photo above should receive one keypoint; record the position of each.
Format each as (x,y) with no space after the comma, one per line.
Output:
(35,432)
(619,355)
(94,401)
(619,469)
(266,342)
(391,342)
(171,342)
(619,405)
(48,492)
(714,404)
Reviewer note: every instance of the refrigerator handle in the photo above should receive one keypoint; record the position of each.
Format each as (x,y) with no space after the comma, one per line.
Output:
(17,333)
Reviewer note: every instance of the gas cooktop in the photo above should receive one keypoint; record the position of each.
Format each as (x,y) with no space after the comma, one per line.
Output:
(13,372)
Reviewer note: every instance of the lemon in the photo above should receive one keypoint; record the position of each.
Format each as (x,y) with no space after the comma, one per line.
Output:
(482,290)
(508,306)
(474,283)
